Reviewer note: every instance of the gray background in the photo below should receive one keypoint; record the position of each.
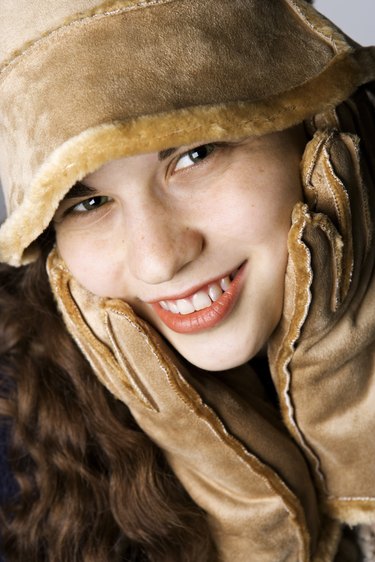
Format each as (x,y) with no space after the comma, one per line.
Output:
(355,17)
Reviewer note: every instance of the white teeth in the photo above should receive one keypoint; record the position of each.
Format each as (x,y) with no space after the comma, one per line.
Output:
(225,283)
(173,307)
(201,300)
(214,292)
(185,306)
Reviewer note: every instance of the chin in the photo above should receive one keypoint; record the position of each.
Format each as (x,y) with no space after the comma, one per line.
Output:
(221,359)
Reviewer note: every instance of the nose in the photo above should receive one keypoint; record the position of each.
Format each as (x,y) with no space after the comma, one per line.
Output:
(160,243)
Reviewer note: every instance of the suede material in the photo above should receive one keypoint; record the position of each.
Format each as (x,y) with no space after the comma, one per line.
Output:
(229,450)
(323,354)
(34,18)
(167,66)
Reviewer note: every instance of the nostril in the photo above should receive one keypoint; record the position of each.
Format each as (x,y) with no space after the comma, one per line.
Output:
(162,249)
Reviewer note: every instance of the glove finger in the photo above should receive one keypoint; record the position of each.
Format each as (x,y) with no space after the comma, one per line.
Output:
(332,178)
(314,272)
(149,363)
(345,168)
(89,331)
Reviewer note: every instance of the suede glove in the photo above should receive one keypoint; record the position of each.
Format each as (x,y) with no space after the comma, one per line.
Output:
(322,356)
(230,452)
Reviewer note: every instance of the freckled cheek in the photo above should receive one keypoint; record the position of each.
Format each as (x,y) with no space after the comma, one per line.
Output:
(92,263)
(255,220)
(258,206)
(270,217)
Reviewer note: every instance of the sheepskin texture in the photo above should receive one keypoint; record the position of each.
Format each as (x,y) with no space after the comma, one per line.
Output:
(133,77)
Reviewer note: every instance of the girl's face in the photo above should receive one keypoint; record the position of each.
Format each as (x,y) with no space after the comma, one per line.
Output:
(195,239)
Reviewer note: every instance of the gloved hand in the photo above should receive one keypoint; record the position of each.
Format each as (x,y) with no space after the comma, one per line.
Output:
(232,455)
(322,356)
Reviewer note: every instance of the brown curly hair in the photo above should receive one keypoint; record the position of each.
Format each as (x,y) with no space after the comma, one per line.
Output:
(92,486)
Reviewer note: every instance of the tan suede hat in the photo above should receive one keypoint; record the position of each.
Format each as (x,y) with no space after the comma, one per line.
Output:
(85,81)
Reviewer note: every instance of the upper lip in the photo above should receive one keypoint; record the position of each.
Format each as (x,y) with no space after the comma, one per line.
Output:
(192,290)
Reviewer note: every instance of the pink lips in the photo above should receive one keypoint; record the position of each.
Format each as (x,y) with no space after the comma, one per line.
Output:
(207,317)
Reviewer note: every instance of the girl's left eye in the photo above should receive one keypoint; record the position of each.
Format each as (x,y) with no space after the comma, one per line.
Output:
(90,204)
(194,156)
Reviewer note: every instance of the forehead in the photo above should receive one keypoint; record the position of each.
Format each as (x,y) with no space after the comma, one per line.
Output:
(257,147)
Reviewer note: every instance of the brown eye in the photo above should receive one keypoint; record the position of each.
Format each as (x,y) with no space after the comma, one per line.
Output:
(90,204)
(194,156)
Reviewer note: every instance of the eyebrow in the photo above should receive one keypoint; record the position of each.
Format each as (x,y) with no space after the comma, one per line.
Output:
(80,190)
(163,154)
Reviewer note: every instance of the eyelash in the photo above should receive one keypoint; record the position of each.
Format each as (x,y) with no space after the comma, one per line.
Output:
(195,150)
(91,199)
(189,153)
(74,212)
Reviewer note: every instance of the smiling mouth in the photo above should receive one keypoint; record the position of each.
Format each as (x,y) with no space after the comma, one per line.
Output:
(203,309)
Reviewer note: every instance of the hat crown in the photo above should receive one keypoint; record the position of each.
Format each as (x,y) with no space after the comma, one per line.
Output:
(24,21)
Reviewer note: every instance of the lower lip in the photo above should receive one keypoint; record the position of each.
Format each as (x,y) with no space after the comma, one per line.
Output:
(207,317)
